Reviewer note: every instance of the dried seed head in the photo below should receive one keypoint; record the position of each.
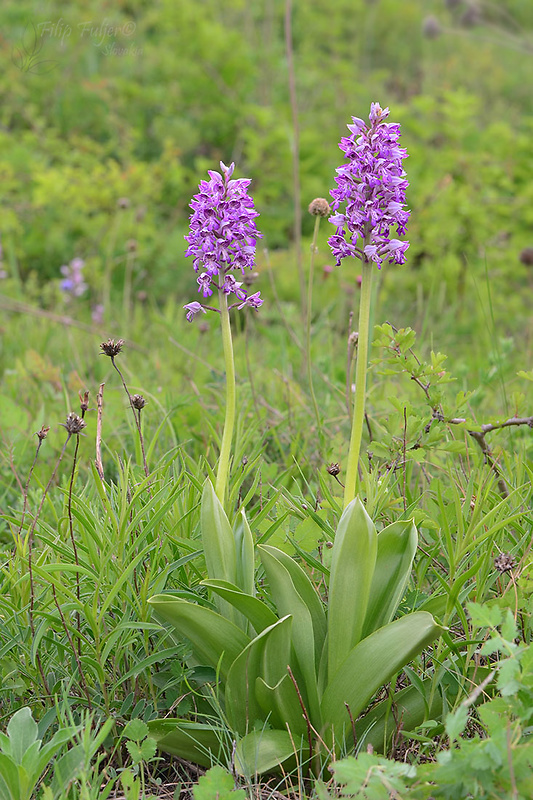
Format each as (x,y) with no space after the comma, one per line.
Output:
(131,245)
(123,202)
(84,401)
(74,424)
(319,207)
(112,348)
(43,433)
(471,17)
(431,27)
(138,401)
(334,469)
(505,562)
(526,256)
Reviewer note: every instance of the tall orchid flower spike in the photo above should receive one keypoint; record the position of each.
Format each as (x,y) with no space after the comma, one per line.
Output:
(222,237)
(369,201)
(222,240)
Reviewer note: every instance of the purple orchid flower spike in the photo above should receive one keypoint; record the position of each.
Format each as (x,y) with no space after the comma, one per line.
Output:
(372,184)
(222,238)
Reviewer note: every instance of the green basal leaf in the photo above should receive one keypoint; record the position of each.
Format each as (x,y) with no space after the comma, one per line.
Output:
(396,550)
(275,690)
(245,555)
(214,640)
(372,663)
(309,595)
(280,704)
(242,706)
(193,741)
(289,602)
(263,751)
(380,724)
(352,569)
(255,611)
(219,545)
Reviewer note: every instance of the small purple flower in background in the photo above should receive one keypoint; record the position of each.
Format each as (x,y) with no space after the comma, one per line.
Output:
(3,273)
(222,238)
(97,314)
(372,184)
(73,283)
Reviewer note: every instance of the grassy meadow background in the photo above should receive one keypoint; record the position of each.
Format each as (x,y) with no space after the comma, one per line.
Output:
(110,115)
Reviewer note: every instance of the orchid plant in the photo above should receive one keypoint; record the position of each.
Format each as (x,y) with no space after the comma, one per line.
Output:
(222,242)
(293,678)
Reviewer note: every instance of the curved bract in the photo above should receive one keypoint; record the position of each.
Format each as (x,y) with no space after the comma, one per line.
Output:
(329,660)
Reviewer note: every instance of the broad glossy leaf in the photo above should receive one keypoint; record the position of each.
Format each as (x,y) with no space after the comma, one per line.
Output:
(352,569)
(264,751)
(245,555)
(372,663)
(213,638)
(280,704)
(217,539)
(257,612)
(275,690)
(396,550)
(242,707)
(309,595)
(194,741)
(289,601)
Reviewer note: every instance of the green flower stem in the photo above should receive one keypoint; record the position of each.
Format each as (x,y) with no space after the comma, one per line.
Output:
(229,422)
(360,383)
(308,327)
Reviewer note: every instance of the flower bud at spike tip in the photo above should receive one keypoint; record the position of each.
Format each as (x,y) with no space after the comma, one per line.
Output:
(319,207)
(138,401)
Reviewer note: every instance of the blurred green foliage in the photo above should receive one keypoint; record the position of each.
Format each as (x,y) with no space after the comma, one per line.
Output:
(139,102)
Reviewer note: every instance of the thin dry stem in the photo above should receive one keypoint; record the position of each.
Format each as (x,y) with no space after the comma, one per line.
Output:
(100,410)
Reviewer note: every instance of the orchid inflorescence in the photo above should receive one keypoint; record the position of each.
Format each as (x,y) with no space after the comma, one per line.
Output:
(372,184)
(222,238)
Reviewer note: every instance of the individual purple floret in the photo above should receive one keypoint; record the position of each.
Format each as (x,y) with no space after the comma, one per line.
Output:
(372,184)
(222,238)
(73,283)
(193,309)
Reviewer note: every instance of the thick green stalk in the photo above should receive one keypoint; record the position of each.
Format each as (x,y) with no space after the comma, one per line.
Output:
(360,383)
(308,326)
(229,422)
